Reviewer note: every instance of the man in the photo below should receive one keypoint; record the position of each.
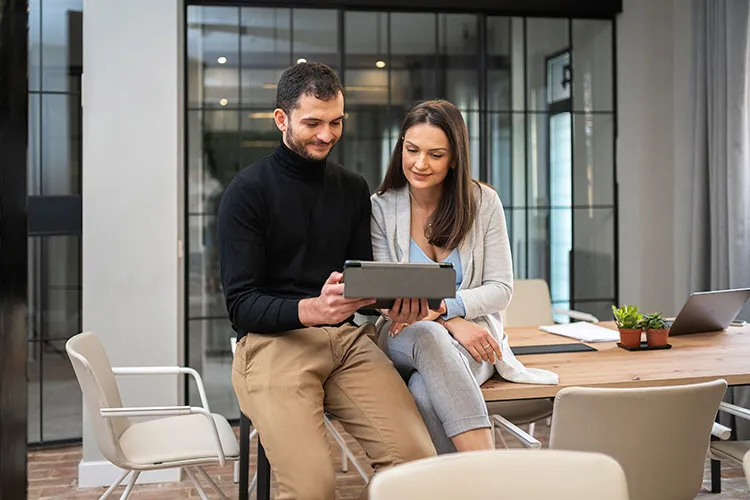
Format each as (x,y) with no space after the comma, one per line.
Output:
(286,225)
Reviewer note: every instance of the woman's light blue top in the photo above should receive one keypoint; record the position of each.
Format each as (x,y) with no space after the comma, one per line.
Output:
(455,307)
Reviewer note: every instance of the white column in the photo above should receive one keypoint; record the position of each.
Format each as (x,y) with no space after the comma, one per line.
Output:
(132,199)
(653,42)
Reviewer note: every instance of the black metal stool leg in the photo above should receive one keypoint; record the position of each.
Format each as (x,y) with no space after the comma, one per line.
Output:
(715,476)
(264,474)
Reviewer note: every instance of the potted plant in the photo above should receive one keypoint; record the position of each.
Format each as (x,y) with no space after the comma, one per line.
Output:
(628,321)
(657,330)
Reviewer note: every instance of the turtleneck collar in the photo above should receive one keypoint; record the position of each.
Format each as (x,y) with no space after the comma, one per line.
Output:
(296,165)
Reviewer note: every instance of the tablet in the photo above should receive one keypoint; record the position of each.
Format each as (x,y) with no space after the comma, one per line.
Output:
(387,281)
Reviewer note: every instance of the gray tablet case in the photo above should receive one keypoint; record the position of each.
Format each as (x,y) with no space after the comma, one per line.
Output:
(387,281)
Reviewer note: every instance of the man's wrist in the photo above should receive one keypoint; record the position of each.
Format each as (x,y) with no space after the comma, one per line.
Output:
(307,312)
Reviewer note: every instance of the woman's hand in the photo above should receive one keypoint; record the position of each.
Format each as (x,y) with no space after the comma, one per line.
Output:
(408,311)
(436,313)
(478,341)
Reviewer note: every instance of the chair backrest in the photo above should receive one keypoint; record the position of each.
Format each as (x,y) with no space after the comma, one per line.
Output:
(99,388)
(531,304)
(506,474)
(659,434)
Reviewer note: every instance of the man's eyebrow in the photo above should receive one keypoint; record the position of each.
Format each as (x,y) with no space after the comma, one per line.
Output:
(313,119)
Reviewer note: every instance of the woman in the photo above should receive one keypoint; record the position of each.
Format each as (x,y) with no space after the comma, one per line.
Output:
(429,209)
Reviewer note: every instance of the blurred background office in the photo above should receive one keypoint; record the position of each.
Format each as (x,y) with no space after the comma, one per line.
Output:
(581,119)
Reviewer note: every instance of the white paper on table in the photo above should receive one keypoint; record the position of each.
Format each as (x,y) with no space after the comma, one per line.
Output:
(584,331)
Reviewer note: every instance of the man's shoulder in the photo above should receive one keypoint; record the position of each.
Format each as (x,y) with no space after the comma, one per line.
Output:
(348,177)
(252,179)
(255,172)
(249,183)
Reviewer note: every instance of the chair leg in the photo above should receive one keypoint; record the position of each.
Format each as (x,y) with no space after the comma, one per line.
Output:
(114,485)
(532,427)
(251,488)
(499,432)
(492,431)
(334,433)
(344,461)
(131,483)
(198,487)
(211,483)
(715,476)
(345,449)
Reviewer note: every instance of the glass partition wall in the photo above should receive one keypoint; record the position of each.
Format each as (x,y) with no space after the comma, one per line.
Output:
(536,93)
(55,65)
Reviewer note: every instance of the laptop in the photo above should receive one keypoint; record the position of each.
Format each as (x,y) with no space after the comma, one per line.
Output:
(709,311)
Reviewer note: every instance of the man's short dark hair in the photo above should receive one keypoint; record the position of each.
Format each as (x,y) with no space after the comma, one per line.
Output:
(307,78)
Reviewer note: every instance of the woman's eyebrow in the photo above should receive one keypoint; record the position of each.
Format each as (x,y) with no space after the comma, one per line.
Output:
(433,149)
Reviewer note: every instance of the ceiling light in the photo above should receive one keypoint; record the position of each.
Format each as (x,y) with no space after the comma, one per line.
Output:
(222,60)
(380,64)
(301,60)
(223,102)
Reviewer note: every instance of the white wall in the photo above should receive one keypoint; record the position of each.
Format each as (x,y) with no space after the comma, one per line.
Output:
(132,183)
(653,75)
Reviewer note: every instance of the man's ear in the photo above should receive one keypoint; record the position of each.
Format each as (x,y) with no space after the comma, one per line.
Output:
(281,119)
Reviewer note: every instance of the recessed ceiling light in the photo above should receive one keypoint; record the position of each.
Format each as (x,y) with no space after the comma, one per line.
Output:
(380,64)
(222,60)
(223,102)
(301,60)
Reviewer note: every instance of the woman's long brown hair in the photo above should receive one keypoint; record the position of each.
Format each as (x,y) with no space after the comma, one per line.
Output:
(452,219)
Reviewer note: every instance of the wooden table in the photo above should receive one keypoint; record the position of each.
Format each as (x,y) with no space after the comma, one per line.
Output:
(693,358)
(698,357)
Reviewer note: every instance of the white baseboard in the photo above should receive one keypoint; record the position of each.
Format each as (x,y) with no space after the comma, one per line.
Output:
(93,474)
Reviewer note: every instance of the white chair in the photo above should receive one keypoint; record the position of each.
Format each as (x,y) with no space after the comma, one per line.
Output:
(188,438)
(531,305)
(504,474)
(734,452)
(746,465)
(659,435)
(346,453)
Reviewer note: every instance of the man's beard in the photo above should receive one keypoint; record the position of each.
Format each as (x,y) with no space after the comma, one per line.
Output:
(298,146)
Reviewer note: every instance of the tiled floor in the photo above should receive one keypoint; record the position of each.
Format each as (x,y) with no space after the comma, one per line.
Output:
(53,473)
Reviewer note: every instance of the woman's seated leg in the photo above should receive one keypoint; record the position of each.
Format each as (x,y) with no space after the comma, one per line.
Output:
(440,439)
(448,373)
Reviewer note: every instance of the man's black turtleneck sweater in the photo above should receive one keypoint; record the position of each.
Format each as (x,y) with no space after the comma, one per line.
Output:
(285,223)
